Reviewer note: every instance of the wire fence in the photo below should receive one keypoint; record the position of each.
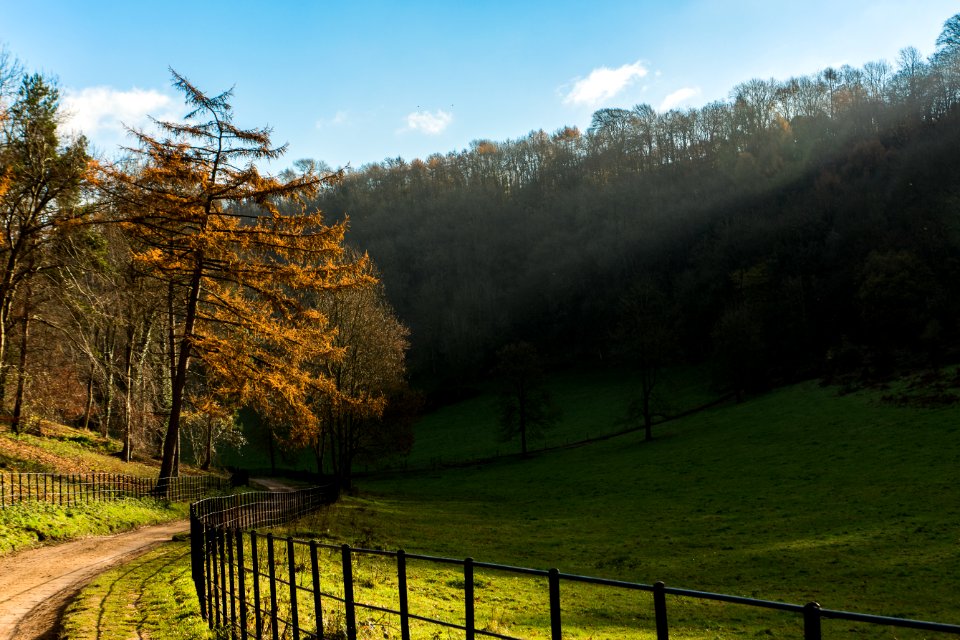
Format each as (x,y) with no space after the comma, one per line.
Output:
(75,488)
(260,586)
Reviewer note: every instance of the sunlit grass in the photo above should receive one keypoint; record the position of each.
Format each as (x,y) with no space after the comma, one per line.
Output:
(62,449)
(150,597)
(33,523)
(796,496)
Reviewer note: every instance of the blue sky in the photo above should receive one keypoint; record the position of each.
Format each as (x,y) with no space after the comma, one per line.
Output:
(358,82)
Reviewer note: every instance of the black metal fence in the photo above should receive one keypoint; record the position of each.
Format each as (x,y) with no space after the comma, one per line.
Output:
(260,586)
(235,513)
(74,488)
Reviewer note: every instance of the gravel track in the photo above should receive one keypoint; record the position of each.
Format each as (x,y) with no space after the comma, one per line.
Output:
(37,585)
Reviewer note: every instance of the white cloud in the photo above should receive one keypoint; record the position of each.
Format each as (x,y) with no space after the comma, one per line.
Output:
(103,112)
(604,83)
(427,122)
(678,97)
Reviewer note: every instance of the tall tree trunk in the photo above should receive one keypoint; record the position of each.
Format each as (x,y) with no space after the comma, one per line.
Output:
(127,452)
(108,394)
(319,450)
(170,463)
(271,449)
(208,449)
(522,402)
(3,367)
(21,369)
(7,291)
(88,408)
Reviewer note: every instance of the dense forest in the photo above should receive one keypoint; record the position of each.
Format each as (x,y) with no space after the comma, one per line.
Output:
(806,227)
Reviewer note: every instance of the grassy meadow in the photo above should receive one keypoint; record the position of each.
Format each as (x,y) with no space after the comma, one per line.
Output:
(591,405)
(802,494)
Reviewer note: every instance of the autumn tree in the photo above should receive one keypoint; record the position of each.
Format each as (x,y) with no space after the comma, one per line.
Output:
(235,267)
(370,373)
(526,407)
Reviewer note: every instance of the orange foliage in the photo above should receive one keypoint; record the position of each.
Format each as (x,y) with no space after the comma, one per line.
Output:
(241,253)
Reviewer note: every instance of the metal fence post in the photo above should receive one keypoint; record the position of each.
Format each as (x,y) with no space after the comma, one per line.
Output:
(660,610)
(222,556)
(468,603)
(348,601)
(555,626)
(402,592)
(811,621)
(292,571)
(255,572)
(315,574)
(196,559)
(241,585)
(271,570)
(232,578)
(214,569)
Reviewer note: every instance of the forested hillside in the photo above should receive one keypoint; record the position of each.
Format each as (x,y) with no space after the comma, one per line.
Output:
(806,226)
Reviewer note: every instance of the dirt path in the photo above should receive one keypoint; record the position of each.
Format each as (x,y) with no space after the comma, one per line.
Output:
(275,485)
(37,585)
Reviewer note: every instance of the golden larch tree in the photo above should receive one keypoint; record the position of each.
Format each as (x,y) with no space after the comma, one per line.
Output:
(209,225)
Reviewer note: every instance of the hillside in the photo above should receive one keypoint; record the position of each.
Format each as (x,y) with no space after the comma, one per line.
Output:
(55,448)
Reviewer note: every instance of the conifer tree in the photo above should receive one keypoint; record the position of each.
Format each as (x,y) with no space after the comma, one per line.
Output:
(40,187)
(211,228)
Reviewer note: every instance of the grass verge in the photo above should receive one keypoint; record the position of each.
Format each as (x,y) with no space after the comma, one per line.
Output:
(151,597)
(33,523)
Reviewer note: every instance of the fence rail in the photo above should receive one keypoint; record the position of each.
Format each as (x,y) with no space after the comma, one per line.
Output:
(74,488)
(261,586)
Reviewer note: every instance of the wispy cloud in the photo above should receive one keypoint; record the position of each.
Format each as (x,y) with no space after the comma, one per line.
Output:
(431,123)
(103,112)
(339,119)
(603,83)
(678,97)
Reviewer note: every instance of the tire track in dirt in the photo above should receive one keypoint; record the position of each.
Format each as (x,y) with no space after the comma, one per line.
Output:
(37,585)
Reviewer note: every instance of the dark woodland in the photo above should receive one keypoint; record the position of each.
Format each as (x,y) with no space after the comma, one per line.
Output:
(805,227)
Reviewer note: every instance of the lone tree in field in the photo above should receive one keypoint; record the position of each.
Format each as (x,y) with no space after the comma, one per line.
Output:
(526,408)
(208,225)
(647,340)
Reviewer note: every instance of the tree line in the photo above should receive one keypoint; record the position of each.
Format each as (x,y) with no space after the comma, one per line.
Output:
(806,226)
(155,296)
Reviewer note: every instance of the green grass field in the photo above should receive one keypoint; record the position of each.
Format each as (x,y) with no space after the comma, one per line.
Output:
(591,404)
(799,495)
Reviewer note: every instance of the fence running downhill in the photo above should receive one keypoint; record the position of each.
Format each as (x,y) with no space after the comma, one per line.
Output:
(75,488)
(255,585)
